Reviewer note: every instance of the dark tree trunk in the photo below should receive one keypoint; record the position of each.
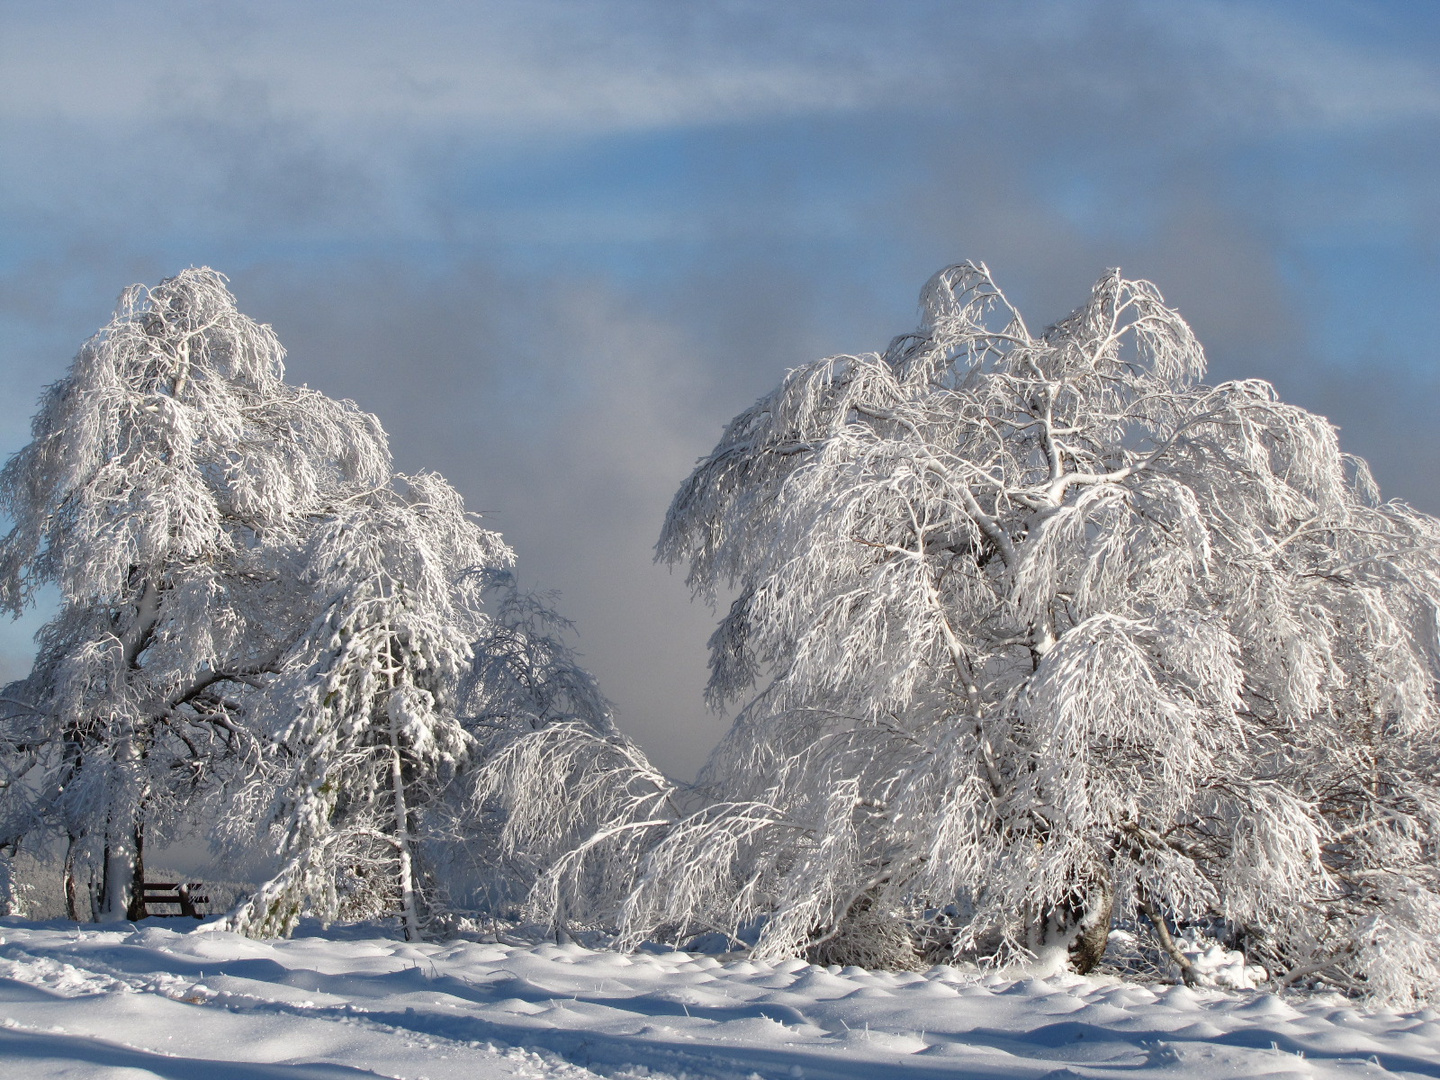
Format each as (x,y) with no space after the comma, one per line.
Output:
(1081,923)
(135,908)
(72,897)
(1088,948)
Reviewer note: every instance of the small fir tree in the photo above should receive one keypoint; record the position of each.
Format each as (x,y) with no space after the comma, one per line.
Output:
(357,772)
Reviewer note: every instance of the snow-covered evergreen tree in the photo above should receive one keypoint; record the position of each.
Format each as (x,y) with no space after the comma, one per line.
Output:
(1045,629)
(367,729)
(170,479)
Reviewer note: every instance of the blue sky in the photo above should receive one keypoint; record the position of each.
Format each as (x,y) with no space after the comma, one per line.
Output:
(555,246)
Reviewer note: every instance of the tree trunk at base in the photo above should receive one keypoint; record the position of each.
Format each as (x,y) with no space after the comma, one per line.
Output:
(121,892)
(1088,948)
(135,905)
(409,913)
(122,878)
(1080,926)
(123,867)
(72,897)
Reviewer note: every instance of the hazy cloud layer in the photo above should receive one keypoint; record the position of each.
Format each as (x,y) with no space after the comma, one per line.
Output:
(556,245)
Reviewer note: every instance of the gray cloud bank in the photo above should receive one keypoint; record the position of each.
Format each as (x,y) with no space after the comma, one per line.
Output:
(556,245)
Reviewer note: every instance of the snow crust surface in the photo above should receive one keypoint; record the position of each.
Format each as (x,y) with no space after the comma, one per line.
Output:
(132,1003)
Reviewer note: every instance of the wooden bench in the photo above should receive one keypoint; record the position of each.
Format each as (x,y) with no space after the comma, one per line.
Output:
(175,894)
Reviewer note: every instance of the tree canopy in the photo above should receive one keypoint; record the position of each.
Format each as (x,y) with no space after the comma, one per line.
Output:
(1029,632)
(264,634)
(170,477)
(1030,629)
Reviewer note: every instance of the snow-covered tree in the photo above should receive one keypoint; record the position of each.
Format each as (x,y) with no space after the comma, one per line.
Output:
(170,481)
(573,811)
(1045,629)
(261,628)
(368,731)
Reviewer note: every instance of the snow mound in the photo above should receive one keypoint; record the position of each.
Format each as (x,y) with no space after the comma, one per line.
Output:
(1215,965)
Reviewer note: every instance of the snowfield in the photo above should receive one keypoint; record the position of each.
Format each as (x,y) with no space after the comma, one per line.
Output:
(156,1002)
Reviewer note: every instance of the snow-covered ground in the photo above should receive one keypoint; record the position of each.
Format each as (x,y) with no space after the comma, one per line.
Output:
(134,1003)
